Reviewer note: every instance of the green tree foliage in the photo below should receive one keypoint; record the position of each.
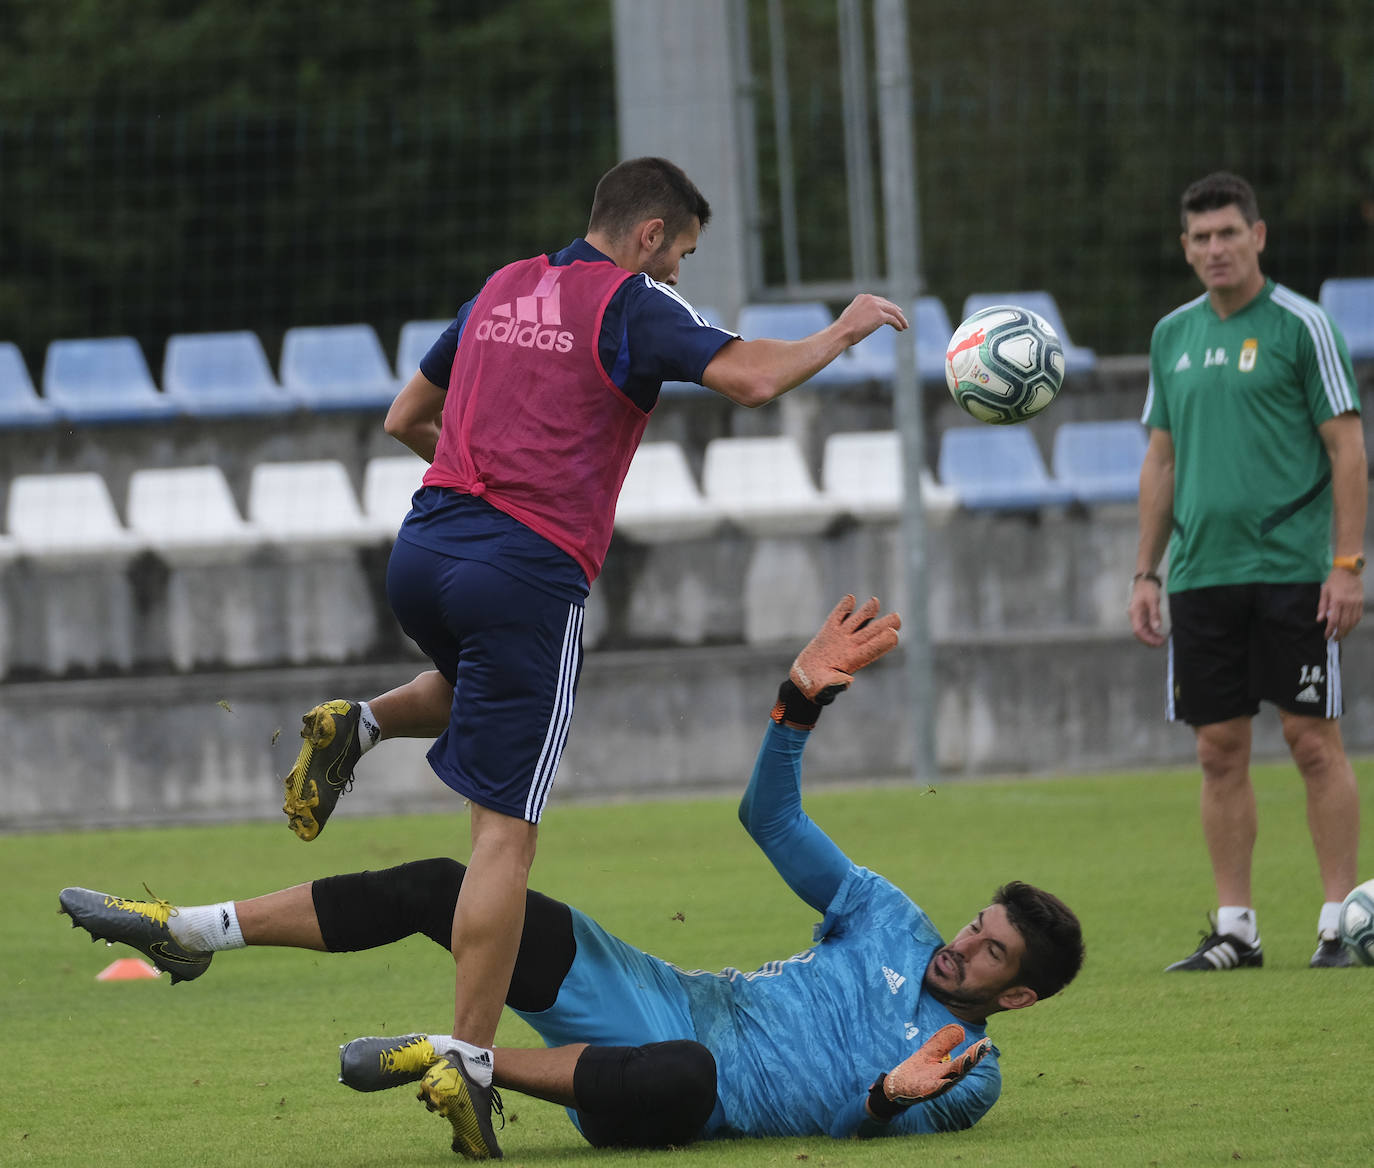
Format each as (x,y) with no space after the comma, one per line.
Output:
(181,166)
(1053,141)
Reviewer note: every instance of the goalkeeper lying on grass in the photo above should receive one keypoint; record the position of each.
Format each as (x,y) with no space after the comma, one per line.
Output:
(850,1037)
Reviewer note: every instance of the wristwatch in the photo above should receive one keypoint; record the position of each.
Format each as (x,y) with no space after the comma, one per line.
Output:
(1349,563)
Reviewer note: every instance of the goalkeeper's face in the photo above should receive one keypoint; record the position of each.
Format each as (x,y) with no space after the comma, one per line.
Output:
(976,973)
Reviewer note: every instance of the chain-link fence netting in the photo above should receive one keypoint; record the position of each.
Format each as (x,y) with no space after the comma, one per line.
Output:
(172,168)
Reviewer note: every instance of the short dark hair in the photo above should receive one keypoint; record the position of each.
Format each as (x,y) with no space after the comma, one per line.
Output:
(1219,189)
(1053,936)
(647,188)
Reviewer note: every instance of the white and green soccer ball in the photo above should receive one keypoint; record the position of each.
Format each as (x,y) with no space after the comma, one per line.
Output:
(1004,364)
(1357,922)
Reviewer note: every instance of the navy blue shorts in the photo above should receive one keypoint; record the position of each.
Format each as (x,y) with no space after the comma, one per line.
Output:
(513,655)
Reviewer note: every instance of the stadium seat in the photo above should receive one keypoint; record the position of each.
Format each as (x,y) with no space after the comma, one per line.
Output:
(1077,359)
(1099,461)
(1350,303)
(998,468)
(930,330)
(20,404)
(414,342)
(104,379)
(188,511)
(58,515)
(763,486)
(217,375)
(304,503)
(389,482)
(792,322)
(337,367)
(660,501)
(862,472)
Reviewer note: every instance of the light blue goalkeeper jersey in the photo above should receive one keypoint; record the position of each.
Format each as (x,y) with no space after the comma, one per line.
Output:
(797,1042)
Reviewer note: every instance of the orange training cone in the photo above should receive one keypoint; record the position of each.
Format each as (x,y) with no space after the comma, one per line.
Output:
(127,969)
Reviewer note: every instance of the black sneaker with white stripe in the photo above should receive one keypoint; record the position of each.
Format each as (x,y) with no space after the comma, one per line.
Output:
(1221,951)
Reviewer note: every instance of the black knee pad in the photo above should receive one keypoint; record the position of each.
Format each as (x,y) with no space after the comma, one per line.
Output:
(366,909)
(653,1096)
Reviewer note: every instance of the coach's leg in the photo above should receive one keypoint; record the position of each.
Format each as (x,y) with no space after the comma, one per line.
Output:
(1229,821)
(1333,799)
(488,920)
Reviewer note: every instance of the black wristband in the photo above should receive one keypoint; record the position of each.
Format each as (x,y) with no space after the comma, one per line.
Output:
(794,707)
(1150,576)
(880,1107)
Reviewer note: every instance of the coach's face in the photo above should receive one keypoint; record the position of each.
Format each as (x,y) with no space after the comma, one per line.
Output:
(1224,250)
(976,973)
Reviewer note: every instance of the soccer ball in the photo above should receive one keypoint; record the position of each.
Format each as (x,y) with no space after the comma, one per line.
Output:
(1357,922)
(1004,364)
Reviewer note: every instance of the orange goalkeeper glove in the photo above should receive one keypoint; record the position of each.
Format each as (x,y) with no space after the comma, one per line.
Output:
(927,1074)
(850,638)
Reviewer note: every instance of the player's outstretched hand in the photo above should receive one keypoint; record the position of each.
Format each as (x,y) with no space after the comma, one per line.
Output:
(930,1072)
(851,638)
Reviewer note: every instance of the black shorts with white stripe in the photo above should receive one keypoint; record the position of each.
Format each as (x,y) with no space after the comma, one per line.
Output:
(1235,645)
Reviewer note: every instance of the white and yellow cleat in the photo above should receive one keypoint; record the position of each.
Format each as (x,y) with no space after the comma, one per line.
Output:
(459,1088)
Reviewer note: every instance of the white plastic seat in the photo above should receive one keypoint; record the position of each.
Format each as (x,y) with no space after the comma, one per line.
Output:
(303,503)
(58,515)
(188,510)
(417,336)
(389,482)
(863,473)
(764,486)
(660,501)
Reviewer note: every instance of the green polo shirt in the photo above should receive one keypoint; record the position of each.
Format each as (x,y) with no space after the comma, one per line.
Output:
(1242,399)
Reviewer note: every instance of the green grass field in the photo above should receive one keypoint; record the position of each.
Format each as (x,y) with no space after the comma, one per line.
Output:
(1128,1067)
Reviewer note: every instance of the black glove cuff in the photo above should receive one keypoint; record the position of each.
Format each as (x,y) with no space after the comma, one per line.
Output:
(795,708)
(879,1105)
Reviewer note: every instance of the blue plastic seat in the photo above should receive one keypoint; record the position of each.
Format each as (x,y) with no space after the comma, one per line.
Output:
(337,367)
(216,375)
(930,330)
(414,342)
(1100,461)
(792,322)
(103,379)
(998,468)
(1077,359)
(20,404)
(1349,301)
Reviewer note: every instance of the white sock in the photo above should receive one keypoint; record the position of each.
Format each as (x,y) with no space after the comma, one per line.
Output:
(369,729)
(1329,922)
(1238,921)
(206,928)
(477,1060)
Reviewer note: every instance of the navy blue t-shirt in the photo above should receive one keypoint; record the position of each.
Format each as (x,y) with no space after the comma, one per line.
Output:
(649,335)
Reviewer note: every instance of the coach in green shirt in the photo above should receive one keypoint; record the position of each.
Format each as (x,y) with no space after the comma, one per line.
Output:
(1255,442)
